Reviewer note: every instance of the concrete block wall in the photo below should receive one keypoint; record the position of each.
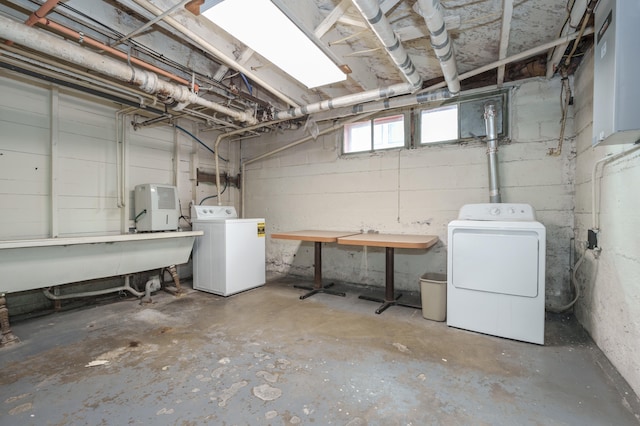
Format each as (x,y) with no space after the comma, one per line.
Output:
(609,305)
(417,191)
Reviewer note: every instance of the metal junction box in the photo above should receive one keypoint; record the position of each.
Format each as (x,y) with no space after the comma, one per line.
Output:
(616,92)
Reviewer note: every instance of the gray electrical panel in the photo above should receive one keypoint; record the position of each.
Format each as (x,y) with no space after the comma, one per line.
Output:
(616,92)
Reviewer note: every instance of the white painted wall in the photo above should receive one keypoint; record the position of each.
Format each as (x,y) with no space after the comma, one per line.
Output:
(609,307)
(411,191)
(83,158)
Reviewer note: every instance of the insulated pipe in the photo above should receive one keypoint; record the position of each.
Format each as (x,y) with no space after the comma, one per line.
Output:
(291,145)
(38,14)
(83,39)
(393,103)
(147,81)
(492,153)
(205,45)
(441,42)
(370,10)
(348,100)
(518,56)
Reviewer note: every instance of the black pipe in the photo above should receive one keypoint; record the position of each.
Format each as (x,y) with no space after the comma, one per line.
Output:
(78,87)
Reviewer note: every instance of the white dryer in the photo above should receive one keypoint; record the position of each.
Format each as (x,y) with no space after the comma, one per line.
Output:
(496,271)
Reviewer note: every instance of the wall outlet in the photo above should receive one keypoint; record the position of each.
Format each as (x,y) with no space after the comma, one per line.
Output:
(592,239)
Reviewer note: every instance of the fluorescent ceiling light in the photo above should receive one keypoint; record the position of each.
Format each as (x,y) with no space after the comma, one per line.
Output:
(263,27)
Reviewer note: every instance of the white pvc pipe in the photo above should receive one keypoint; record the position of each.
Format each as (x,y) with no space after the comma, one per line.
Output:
(147,81)
(370,10)
(441,42)
(608,158)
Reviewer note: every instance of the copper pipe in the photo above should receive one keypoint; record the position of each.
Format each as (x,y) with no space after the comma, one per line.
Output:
(41,13)
(38,14)
(83,39)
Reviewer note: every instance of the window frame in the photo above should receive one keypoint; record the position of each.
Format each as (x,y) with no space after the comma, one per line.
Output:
(466,99)
(386,114)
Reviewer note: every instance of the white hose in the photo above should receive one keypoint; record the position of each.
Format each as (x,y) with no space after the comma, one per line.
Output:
(576,287)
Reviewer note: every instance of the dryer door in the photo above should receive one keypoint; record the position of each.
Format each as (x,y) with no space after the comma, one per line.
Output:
(503,261)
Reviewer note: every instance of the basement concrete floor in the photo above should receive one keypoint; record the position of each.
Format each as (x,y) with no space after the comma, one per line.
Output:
(264,357)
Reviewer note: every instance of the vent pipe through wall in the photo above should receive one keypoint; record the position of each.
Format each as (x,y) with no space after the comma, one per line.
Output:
(492,153)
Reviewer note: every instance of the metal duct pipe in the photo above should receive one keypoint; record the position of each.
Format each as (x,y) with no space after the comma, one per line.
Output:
(370,10)
(492,153)
(147,81)
(348,100)
(441,42)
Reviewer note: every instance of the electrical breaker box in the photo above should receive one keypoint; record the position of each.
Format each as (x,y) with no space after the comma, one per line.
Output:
(616,92)
(156,207)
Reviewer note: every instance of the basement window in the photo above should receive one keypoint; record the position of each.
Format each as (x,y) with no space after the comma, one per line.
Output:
(462,120)
(373,135)
(439,125)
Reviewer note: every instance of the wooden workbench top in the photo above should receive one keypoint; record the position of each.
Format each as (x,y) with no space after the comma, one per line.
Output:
(390,240)
(313,235)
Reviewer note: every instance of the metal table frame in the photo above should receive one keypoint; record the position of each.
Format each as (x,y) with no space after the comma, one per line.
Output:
(317,237)
(390,242)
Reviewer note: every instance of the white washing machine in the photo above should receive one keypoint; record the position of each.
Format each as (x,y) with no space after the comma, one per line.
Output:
(496,271)
(230,256)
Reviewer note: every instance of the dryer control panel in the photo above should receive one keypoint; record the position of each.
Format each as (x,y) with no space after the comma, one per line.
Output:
(497,211)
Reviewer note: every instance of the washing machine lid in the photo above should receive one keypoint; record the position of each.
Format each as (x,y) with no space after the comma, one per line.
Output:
(497,211)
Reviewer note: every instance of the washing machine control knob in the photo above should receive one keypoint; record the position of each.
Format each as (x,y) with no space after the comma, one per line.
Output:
(495,211)
(227,211)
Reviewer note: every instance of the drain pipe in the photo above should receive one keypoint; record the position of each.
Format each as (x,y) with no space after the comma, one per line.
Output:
(492,153)
(153,284)
(370,10)
(431,11)
(147,81)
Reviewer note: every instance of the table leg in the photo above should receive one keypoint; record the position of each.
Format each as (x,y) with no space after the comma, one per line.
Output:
(317,277)
(390,298)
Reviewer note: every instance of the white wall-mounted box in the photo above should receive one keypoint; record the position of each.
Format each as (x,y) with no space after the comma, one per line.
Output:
(616,92)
